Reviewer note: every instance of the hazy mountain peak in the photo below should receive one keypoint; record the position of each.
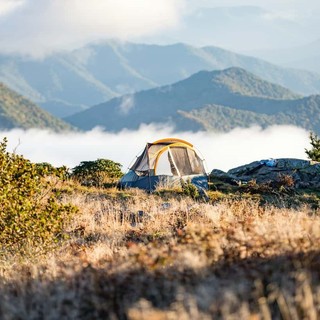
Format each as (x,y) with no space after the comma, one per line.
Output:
(240,81)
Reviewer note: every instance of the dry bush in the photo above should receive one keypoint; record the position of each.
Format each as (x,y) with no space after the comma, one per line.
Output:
(282,184)
(138,256)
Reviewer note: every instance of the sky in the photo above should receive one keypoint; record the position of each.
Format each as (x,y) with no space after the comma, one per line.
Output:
(40,27)
(306,5)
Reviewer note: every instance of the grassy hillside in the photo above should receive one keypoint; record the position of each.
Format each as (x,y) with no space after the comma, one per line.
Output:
(302,112)
(18,112)
(68,82)
(181,259)
(249,100)
(222,119)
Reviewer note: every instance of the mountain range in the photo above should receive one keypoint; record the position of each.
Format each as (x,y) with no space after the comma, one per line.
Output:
(303,57)
(69,82)
(17,111)
(217,100)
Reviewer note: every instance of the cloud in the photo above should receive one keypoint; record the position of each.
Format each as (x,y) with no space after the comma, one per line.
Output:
(221,151)
(127,104)
(8,6)
(280,15)
(38,27)
(269,5)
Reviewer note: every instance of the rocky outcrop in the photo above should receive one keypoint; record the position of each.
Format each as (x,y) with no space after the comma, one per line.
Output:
(303,173)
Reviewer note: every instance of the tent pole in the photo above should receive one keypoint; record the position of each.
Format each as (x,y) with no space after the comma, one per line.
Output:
(148,159)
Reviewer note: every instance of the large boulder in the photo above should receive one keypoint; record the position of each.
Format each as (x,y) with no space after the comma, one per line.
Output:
(303,173)
(224,176)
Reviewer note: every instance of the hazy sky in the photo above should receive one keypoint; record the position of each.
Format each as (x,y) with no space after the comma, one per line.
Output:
(300,8)
(41,26)
(268,4)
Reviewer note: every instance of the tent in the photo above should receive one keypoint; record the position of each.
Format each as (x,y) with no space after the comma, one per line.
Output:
(166,162)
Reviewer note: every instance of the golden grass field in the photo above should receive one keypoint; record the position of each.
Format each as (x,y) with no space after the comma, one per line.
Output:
(132,255)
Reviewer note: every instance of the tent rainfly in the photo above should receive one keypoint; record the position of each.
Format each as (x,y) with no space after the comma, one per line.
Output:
(166,161)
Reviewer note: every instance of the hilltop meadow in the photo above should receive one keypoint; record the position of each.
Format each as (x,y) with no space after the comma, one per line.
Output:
(85,86)
(72,249)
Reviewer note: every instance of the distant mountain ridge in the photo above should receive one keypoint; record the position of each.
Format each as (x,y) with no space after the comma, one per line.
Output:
(304,112)
(69,82)
(18,112)
(217,100)
(305,57)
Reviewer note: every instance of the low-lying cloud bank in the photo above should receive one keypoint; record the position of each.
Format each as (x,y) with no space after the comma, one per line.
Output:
(220,150)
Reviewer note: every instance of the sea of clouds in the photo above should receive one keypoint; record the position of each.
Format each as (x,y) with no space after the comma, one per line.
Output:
(220,150)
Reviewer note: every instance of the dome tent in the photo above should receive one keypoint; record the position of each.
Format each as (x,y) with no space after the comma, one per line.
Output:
(166,161)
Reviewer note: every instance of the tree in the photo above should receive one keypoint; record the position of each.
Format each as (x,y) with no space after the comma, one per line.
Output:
(97,173)
(314,152)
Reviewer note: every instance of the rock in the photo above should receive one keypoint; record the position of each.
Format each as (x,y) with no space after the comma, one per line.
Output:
(224,176)
(304,173)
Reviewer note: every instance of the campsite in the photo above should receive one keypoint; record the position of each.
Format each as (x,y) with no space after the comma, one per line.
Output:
(244,250)
(159,160)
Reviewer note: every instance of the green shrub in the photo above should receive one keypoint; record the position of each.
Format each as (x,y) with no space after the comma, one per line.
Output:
(190,189)
(314,152)
(47,169)
(97,173)
(30,214)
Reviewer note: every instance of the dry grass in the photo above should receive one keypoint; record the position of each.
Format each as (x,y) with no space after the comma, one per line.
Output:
(137,256)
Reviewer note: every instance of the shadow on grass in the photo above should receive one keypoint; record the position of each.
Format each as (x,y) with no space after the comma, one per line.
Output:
(285,286)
